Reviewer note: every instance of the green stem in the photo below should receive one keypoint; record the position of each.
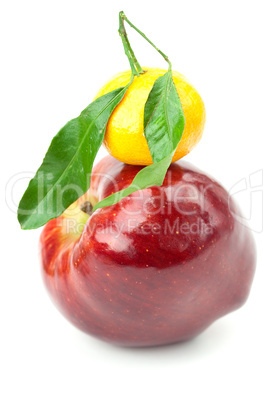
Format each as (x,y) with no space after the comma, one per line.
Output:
(135,66)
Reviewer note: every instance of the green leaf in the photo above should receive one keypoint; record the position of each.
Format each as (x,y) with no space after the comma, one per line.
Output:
(163,118)
(164,123)
(152,175)
(65,172)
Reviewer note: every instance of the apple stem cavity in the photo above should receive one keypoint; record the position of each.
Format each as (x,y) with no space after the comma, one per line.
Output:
(87,207)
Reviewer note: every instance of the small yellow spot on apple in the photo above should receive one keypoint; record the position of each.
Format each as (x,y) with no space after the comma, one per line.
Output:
(108,274)
(147,250)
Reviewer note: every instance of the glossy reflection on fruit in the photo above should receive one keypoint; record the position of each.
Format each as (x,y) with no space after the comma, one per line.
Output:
(158,267)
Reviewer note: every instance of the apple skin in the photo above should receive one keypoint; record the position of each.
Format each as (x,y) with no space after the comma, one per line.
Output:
(158,267)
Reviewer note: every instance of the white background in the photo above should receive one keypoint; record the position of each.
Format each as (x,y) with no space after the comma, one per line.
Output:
(55,55)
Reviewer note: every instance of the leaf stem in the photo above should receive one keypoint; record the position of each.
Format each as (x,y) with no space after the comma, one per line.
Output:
(134,64)
(135,67)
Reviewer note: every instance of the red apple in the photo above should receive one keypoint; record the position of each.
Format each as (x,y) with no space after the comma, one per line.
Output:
(156,268)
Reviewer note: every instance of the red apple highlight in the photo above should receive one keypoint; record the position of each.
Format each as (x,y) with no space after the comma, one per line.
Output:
(156,268)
